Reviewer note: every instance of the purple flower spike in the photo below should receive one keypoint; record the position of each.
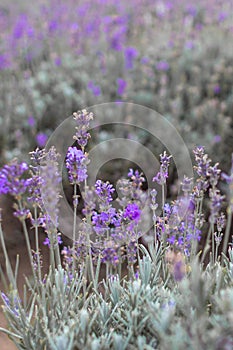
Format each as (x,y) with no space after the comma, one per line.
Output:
(130,54)
(132,212)
(121,86)
(76,163)
(83,119)
(41,139)
(104,191)
(162,66)
(162,175)
(11,179)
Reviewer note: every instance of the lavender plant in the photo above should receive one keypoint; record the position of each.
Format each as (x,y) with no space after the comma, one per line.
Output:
(107,290)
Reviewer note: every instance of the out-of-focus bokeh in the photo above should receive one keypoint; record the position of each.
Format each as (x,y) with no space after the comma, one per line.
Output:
(60,56)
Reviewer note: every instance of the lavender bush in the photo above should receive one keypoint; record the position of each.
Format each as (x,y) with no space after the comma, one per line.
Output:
(108,291)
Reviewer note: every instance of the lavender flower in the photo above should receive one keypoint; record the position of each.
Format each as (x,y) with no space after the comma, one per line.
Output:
(76,163)
(162,175)
(102,221)
(22,214)
(214,174)
(110,254)
(34,184)
(37,157)
(136,177)
(130,54)
(41,139)
(12,179)
(104,191)
(162,66)
(132,212)
(221,222)
(14,309)
(131,252)
(95,89)
(215,204)
(122,84)
(50,180)
(47,241)
(203,161)
(186,184)
(83,119)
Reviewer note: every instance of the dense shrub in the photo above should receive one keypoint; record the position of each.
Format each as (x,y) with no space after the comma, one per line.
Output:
(165,298)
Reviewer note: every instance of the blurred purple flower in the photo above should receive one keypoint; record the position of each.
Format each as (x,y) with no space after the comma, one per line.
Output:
(31,121)
(41,139)
(189,45)
(4,61)
(145,60)
(53,26)
(57,61)
(179,270)
(217,139)
(191,10)
(217,89)
(162,66)
(122,84)
(222,16)
(95,89)
(22,27)
(130,54)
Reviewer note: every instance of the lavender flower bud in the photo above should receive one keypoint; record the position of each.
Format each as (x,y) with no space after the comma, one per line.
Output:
(76,163)
(83,119)
(162,175)
(50,179)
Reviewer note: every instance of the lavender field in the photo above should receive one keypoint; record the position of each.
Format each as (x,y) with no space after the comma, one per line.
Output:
(116,174)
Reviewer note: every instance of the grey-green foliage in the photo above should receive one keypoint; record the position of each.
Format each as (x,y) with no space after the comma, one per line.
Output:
(148,311)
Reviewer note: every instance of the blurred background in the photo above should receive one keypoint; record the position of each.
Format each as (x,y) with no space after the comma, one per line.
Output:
(57,57)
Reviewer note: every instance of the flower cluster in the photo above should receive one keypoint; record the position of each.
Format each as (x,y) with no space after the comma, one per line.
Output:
(76,164)
(104,191)
(12,179)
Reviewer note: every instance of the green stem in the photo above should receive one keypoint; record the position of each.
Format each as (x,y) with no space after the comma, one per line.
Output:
(228,229)
(37,244)
(28,244)
(163,198)
(212,235)
(10,274)
(74,227)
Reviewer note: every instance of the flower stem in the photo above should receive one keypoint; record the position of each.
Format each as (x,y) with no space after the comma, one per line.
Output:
(228,229)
